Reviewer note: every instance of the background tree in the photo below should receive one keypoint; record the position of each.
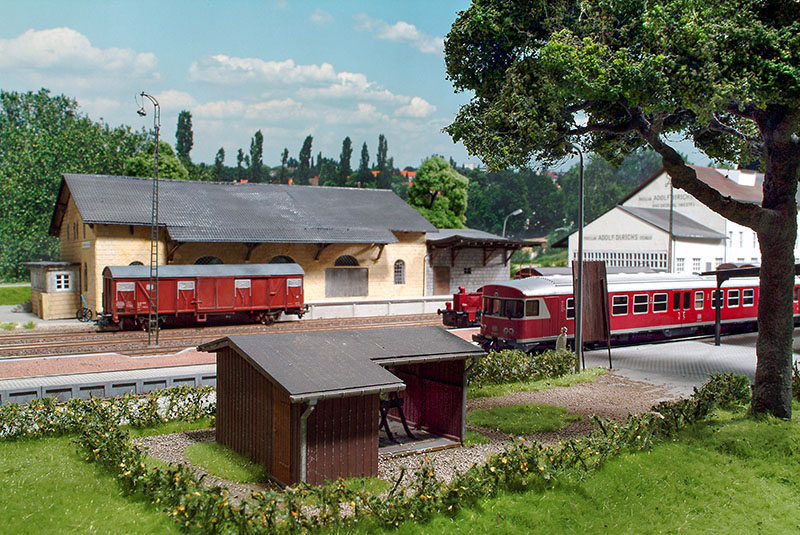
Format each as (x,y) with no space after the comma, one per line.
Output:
(614,76)
(184,138)
(282,172)
(344,162)
(219,164)
(240,165)
(384,179)
(256,156)
(169,166)
(439,193)
(41,137)
(364,176)
(305,161)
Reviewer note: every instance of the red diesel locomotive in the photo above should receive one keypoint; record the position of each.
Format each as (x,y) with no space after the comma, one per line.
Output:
(528,314)
(465,310)
(190,294)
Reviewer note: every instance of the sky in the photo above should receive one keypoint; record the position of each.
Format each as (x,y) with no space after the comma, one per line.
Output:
(287,68)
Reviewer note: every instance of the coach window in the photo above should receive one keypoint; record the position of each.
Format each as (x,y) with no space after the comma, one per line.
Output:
(733,298)
(619,305)
(659,302)
(570,308)
(687,300)
(207,260)
(716,296)
(748,297)
(698,300)
(640,304)
(676,301)
(532,308)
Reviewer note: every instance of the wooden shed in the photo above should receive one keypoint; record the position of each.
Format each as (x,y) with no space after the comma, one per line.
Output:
(307,405)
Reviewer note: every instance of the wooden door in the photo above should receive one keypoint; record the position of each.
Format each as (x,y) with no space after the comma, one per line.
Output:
(441,280)
(282,443)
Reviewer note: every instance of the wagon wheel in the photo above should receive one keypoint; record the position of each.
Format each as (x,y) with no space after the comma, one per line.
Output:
(84,314)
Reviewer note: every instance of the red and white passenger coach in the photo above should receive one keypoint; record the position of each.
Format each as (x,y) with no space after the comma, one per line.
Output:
(528,314)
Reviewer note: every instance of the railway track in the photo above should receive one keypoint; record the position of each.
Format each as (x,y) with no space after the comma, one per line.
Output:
(134,343)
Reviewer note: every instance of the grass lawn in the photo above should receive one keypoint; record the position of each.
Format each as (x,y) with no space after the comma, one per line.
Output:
(586,376)
(729,476)
(14,295)
(47,488)
(225,463)
(522,419)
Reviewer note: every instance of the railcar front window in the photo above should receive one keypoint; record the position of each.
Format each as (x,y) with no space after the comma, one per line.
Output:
(748,297)
(698,300)
(532,308)
(570,308)
(497,305)
(487,305)
(619,305)
(513,308)
(640,304)
(733,298)
(660,302)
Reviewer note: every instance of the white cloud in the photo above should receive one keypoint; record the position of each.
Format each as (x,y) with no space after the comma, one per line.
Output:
(352,85)
(66,50)
(287,108)
(418,107)
(221,69)
(321,17)
(221,109)
(400,32)
(173,99)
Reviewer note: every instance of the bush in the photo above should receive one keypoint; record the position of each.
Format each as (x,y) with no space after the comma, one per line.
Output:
(727,389)
(10,326)
(511,366)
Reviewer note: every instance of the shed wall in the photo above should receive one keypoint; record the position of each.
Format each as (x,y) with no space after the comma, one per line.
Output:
(342,439)
(467,269)
(433,397)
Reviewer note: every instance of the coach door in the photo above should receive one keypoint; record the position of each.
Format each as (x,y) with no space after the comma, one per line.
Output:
(681,307)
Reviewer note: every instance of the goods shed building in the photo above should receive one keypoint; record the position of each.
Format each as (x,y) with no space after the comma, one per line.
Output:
(350,242)
(308,405)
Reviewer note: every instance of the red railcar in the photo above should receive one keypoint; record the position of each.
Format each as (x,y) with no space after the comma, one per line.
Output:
(528,314)
(465,310)
(189,294)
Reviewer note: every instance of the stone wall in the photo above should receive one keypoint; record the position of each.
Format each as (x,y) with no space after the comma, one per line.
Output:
(468,270)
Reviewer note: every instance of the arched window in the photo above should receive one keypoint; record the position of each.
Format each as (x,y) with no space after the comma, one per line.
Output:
(346,261)
(399,272)
(135,263)
(208,260)
(282,260)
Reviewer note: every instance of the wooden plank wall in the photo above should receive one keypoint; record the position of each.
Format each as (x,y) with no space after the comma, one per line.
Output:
(343,439)
(433,396)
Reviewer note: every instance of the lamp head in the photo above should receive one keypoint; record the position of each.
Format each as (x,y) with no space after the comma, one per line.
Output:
(517,211)
(141,112)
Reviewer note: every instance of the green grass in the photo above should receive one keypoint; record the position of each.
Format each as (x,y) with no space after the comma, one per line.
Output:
(10,326)
(174,426)
(14,295)
(226,463)
(522,419)
(586,376)
(47,488)
(29,325)
(473,438)
(733,475)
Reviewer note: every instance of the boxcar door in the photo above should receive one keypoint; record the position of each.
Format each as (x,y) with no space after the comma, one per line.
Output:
(225,294)
(276,295)
(243,294)
(186,296)
(294,291)
(125,299)
(142,296)
(206,294)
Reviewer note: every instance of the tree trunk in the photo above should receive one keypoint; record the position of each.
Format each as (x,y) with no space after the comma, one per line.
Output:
(772,391)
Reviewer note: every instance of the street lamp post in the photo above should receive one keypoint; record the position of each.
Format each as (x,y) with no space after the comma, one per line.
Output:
(579,289)
(515,212)
(152,317)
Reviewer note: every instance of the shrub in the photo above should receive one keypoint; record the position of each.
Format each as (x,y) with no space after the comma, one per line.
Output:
(10,326)
(727,389)
(29,325)
(510,366)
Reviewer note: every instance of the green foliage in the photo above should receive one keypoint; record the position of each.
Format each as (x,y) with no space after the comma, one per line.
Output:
(169,166)
(305,161)
(8,326)
(256,156)
(14,295)
(226,463)
(439,193)
(796,382)
(727,389)
(41,137)
(184,138)
(522,419)
(509,366)
(29,325)
(473,438)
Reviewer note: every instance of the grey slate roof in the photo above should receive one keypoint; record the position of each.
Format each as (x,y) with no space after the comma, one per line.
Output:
(343,363)
(255,213)
(208,270)
(682,226)
(467,233)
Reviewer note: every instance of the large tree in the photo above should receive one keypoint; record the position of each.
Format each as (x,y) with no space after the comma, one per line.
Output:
(384,179)
(219,164)
(344,161)
(143,163)
(41,137)
(305,161)
(439,193)
(184,138)
(256,156)
(364,177)
(614,76)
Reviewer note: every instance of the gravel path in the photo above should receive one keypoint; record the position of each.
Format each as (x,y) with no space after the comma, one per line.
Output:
(609,396)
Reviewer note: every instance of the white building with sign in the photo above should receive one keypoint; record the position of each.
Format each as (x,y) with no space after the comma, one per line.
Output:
(642,229)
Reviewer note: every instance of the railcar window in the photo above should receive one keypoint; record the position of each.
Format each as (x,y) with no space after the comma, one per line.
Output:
(748,297)
(532,308)
(698,300)
(676,301)
(570,308)
(687,300)
(796,294)
(497,305)
(640,304)
(619,305)
(716,296)
(487,305)
(733,298)
(659,302)
(513,308)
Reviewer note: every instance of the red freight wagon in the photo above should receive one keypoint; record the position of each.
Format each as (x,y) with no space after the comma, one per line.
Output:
(189,294)
(528,313)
